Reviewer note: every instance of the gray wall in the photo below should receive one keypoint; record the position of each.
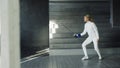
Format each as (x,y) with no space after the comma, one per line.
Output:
(70,13)
(34,23)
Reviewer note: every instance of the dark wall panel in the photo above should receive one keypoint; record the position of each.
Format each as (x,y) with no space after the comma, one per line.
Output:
(115,12)
(34,23)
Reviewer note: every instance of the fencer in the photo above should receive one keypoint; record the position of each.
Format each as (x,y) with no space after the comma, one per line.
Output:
(93,36)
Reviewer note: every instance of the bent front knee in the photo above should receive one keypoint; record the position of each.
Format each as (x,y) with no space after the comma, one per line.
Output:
(83,45)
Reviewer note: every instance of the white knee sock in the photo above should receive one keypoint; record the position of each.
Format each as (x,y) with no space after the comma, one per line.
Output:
(98,52)
(85,51)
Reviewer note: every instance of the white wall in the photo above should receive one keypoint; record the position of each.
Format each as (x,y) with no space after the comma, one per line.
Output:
(9,14)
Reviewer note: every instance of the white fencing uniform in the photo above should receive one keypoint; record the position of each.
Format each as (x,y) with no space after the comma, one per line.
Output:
(93,36)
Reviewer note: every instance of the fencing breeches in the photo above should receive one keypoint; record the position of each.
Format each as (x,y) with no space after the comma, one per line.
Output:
(88,41)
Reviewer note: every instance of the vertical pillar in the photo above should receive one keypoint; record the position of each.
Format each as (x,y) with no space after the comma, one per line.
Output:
(10,46)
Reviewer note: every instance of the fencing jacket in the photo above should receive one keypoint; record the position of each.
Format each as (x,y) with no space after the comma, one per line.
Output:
(91,29)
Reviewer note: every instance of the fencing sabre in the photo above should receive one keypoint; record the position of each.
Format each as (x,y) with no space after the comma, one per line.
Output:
(74,34)
(67,28)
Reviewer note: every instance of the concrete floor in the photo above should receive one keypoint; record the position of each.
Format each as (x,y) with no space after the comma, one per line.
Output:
(73,61)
